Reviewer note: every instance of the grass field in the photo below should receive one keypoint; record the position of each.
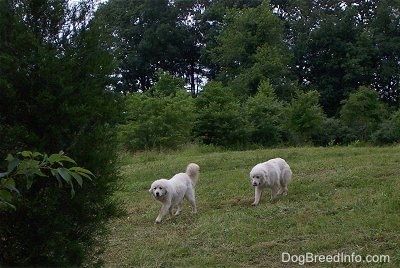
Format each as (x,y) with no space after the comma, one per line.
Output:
(342,200)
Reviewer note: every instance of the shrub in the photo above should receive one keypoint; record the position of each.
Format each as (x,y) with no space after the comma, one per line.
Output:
(220,120)
(54,97)
(157,122)
(389,130)
(304,118)
(362,113)
(264,114)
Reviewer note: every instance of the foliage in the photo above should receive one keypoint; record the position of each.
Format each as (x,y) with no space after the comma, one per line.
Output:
(28,166)
(389,130)
(148,36)
(265,114)
(250,49)
(339,46)
(362,113)
(220,120)
(54,71)
(163,118)
(304,117)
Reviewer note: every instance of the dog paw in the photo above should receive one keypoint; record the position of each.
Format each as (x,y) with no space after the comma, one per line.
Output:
(254,204)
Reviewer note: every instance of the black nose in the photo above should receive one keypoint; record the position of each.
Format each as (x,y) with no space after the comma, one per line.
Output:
(254,184)
(157,194)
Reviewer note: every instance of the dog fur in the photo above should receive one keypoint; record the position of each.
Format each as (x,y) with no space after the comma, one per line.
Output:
(274,174)
(171,192)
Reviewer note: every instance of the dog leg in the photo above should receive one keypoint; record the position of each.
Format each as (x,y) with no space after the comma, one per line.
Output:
(191,197)
(165,208)
(192,202)
(274,191)
(285,190)
(179,209)
(257,195)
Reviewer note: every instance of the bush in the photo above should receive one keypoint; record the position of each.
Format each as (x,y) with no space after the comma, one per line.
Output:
(53,98)
(220,120)
(264,114)
(304,118)
(389,130)
(332,132)
(157,122)
(362,113)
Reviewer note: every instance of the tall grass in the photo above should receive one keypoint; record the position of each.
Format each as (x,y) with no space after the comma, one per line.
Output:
(341,200)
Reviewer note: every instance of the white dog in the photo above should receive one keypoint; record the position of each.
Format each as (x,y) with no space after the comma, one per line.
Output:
(274,174)
(171,192)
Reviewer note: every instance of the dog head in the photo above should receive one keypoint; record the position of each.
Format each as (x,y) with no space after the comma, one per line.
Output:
(159,189)
(256,179)
(258,176)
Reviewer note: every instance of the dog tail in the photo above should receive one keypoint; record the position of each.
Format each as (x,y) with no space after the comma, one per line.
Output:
(192,171)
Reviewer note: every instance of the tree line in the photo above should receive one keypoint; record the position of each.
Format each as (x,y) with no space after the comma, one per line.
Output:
(317,59)
(86,78)
(333,47)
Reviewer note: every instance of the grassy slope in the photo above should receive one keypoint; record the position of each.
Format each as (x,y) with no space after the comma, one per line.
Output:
(341,199)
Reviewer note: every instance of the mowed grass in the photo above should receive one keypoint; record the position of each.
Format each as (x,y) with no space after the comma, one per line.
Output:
(341,200)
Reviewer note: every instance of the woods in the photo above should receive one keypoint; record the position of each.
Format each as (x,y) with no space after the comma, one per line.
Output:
(91,79)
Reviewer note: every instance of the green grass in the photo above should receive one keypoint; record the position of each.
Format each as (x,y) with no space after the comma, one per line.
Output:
(341,200)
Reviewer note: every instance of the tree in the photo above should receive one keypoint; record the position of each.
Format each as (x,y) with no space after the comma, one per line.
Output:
(304,117)
(386,36)
(388,131)
(362,112)
(28,166)
(161,118)
(265,114)
(54,72)
(250,50)
(220,120)
(150,35)
(341,45)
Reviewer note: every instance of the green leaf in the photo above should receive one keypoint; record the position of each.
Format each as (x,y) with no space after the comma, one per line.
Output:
(54,158)
(67,159)
(12,163)
(77,177)
(5,195)
(8,183)
(26,153)
(64,173)
(81,170)
(58,179)
(39,173)
(36,154)
(9,157)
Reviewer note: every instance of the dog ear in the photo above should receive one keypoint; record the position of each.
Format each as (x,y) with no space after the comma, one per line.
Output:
(151,190)
(265,176)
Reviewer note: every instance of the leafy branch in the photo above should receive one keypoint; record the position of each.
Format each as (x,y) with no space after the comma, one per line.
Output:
(28,166)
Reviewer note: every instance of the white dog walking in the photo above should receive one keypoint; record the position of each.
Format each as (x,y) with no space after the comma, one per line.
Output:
(274,174)
(171,192)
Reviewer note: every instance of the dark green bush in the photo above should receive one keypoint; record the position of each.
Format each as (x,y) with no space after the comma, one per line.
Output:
(303,118)
(220,119)
(264,114)
(53,97)
(389,130)
(163,118)
(362,113)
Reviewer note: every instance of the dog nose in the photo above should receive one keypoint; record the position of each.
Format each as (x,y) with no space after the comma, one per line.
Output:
(157,194)
(254,183)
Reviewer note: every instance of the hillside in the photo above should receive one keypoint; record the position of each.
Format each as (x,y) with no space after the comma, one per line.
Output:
(342,200)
